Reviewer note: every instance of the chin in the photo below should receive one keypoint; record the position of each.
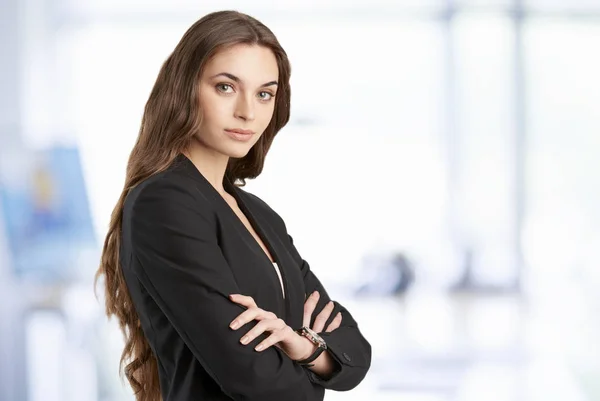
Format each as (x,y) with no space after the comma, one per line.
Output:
(237,152)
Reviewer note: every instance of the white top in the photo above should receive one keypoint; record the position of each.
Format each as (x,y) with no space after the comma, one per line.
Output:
(280,279)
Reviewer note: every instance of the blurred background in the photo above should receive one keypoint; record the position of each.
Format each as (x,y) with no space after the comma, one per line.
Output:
(447,151)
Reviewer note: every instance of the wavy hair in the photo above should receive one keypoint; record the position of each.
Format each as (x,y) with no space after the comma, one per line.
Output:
(171,119)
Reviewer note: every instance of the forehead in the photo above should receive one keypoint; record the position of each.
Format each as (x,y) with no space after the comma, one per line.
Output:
(253,64)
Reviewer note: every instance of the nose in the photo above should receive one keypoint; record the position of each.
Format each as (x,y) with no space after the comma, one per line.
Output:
(245,108)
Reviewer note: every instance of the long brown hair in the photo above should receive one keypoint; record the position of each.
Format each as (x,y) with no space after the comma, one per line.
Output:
(171,118)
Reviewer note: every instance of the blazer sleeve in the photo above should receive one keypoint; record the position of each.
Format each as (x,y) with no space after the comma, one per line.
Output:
(180,264)
(346,344)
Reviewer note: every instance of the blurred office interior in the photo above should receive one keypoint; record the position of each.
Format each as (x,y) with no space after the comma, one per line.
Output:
(447,151)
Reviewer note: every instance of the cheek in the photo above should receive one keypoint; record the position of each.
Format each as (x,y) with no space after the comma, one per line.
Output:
(213,109)
(267,115)
(214,119)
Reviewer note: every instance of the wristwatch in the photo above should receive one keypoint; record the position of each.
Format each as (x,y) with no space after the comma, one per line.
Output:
(315,339)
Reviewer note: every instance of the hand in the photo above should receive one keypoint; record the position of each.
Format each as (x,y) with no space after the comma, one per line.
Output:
(295,346)
(321,319)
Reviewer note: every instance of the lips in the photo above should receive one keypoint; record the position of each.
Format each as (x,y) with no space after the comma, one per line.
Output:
(240,134)
(241,131)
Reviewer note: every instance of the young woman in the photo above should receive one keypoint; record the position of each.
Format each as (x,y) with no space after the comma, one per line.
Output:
(214,300)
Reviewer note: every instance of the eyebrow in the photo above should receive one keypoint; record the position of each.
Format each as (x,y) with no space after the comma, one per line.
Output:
(236,79)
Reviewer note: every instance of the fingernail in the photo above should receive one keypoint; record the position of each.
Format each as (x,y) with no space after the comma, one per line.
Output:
(244,340)
(259,347)
(234,325)
(315,294)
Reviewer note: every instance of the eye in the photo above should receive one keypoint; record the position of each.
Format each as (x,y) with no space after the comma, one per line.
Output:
(265,95)
(222,87)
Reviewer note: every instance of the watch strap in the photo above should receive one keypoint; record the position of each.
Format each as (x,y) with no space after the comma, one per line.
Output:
(314,356)
(315,339)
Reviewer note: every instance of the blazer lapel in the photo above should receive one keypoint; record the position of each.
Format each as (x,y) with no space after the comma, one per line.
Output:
(290,274)
(274,241)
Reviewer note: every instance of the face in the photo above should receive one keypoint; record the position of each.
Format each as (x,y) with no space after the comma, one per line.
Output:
(237,97)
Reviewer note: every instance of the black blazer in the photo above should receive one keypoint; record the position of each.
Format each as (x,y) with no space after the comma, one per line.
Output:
(183,251)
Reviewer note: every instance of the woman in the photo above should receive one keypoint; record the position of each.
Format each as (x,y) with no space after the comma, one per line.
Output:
(213,298)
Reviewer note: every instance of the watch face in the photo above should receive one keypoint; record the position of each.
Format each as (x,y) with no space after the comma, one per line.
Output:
(314,337)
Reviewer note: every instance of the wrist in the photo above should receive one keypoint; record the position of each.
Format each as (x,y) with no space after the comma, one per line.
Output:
(317,345)
(309,347)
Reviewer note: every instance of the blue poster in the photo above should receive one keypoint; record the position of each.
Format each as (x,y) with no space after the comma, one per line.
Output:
(46,214)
